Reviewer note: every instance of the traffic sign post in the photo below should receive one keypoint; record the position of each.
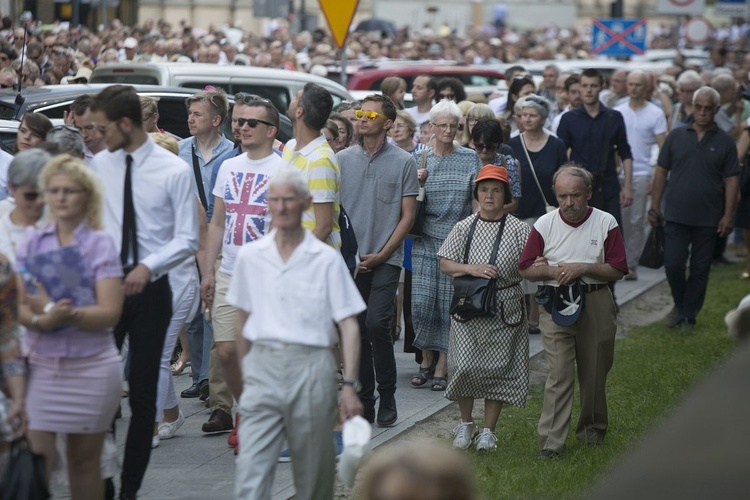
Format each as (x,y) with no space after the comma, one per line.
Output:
(339,15)
(619,37)
(681,7)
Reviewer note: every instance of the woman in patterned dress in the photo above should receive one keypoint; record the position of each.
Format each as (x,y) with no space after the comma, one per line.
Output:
(447,179)
(488,356)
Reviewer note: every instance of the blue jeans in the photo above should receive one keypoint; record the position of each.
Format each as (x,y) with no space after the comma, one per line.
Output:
(197,333)
(688,291)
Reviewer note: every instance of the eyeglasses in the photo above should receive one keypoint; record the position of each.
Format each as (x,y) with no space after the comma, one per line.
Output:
(400,126)
(444,127)
(31,196)
(478,146)
(370,115)
(63,191)
(253,122)
(471,121)
(248,98)
(67,128)
(346,105)
(102,129)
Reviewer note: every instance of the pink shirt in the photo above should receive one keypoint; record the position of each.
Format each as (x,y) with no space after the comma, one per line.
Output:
(98,252)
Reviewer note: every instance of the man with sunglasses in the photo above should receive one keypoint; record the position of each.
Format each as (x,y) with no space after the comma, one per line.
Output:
(379,188)
(240,216)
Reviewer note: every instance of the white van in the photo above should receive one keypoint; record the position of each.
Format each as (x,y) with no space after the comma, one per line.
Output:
(276,85)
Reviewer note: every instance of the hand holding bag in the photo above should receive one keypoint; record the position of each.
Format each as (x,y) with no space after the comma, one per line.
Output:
(24,479)
(653,252)
(547,206)
(474,297)
(417,229)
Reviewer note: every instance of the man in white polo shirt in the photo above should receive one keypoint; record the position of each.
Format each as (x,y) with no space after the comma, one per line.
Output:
(290,289)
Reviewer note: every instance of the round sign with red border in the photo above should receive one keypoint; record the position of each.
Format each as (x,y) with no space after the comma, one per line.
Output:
(698,30)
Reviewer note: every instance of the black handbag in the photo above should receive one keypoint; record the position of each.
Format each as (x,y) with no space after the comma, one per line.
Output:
(25,477)
(653,253)
(475,297)
(417,229)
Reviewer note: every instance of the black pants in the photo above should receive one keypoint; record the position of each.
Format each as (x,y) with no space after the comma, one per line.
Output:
(377,359)
(145,318)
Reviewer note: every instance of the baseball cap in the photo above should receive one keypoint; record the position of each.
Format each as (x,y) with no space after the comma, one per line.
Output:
(130,43)
(567,304)
(492,172)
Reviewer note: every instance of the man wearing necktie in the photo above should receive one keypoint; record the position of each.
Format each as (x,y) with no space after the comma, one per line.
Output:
(150,211)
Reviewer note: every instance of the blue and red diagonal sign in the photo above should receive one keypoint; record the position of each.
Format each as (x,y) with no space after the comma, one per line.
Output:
(618,37)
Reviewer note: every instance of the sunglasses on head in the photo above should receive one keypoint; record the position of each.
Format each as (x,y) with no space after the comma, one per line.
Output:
(248,98)
(345,105)
(68,128)
(370,115)
(253,122)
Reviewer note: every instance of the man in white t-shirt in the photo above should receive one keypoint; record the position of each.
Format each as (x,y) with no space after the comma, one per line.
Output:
(423,92)
(646,126)
(240,216)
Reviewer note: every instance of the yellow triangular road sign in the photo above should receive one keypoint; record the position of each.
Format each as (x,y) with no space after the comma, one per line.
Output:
(339,14)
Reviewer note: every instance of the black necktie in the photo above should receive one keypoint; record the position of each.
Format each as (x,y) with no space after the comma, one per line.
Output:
(129,238)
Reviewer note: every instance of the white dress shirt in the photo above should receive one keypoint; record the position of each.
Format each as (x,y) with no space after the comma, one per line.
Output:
(165,215)
(297,301)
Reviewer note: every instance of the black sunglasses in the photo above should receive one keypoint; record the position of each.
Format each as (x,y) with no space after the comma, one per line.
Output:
(31,196)
(253,122)
(478,146)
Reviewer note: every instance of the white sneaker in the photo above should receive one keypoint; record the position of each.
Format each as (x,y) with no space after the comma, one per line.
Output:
(167,430)
(486,440)
(155,442)
(464,432)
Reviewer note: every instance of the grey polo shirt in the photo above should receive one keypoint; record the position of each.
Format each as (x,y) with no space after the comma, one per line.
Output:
(695,191)
(371,191)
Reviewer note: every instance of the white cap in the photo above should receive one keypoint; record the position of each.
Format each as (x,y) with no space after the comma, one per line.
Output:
(130,43)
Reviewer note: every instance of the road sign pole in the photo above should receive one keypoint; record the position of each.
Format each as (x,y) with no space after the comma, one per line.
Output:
(343,65)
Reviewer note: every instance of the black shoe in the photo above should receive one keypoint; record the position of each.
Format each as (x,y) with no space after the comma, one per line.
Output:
(194,390)
(204,390)
(387,414)
(369,414)
(219,422)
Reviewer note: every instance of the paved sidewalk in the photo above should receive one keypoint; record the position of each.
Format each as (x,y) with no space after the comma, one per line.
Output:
(194,466)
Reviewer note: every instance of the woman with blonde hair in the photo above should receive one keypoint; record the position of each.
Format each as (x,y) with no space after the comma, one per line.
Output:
(475,113)
(74,374)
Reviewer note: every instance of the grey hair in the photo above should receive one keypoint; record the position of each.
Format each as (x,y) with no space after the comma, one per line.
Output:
(722,82)
(25,168)
(689,77)
(292,177)
(715,98)
(69,141)
(533,101)
(445,108)
(575,170)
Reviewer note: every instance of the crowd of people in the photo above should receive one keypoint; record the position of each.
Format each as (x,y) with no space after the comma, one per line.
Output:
(230,248)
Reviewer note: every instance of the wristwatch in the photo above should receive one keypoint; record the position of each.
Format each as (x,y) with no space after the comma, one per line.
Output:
(353,383)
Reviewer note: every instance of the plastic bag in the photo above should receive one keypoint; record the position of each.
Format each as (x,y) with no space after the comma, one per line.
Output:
(24,479)
(653,253)
(356,434)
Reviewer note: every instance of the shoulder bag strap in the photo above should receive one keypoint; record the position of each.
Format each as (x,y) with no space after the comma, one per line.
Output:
(533,172)
(605,151)
(198,178)
(495,247)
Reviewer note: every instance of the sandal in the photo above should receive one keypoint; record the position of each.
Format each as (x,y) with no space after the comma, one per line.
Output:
(439,384)
(178,367)
(422,376)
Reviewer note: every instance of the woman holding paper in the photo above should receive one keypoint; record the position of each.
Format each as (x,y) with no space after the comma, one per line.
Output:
(74,378)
